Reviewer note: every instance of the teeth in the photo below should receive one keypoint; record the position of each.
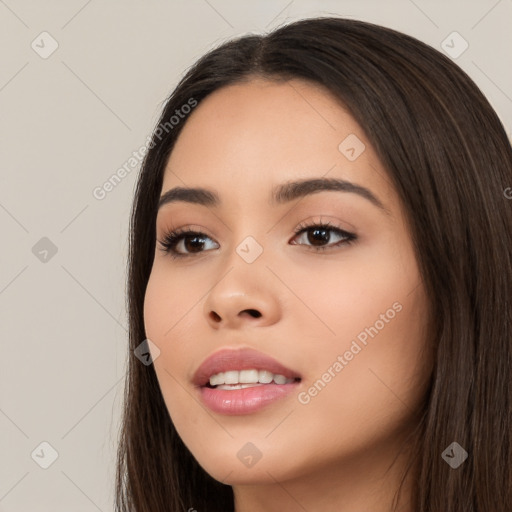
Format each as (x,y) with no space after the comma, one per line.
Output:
(237,386)
(231,377)
(215,380)
(280,379)
(265,377)
(235,379)
(248,376)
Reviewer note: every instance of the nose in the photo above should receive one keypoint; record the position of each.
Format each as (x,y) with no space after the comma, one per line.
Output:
(237,311)
(238,301)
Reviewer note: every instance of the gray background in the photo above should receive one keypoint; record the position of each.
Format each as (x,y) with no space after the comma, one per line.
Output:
(68,122)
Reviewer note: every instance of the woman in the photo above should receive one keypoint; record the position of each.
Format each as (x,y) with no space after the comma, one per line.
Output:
(320,272)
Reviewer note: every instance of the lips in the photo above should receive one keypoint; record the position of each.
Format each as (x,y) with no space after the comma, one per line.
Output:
(241,359)
(275,381)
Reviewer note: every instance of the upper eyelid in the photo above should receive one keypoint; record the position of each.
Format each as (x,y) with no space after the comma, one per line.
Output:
(187,229)
(311,221)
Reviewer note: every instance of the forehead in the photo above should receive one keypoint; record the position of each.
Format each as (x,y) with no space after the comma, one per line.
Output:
(251,136)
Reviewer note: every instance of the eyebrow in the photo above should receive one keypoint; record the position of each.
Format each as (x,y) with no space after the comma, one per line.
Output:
(281,194)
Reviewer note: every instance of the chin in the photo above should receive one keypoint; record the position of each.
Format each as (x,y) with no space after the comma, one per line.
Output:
(244,476)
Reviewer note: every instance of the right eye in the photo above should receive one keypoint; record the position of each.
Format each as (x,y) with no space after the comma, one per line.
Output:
(183,239)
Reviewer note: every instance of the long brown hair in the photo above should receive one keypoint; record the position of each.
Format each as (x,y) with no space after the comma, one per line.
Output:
(448,156)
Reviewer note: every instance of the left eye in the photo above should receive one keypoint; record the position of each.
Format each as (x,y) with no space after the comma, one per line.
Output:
(316,234)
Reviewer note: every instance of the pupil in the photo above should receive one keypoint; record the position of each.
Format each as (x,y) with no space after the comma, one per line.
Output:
(194,242)
(316,232)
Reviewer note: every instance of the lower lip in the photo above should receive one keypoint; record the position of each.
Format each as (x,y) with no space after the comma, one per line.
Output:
(244,401)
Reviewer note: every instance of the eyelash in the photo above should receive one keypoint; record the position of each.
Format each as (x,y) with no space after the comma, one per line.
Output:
(171,239)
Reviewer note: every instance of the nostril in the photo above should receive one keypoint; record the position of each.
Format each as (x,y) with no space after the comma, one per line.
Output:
(215,316)
(253,313)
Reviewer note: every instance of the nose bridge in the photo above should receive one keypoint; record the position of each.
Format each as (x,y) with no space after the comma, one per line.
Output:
(242,270)
(248,238)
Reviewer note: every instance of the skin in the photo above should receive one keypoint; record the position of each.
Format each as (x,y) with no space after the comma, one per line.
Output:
(335,452)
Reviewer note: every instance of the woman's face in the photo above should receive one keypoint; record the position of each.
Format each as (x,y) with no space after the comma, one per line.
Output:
(341,308)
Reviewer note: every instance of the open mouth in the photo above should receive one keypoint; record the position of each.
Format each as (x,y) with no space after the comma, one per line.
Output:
(241,379)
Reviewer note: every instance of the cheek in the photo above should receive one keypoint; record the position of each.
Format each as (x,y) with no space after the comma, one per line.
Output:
(370,394)
(168,303)
(162,313)
(376,310)
(170,321)
(376,313)
(337,299)
(156,301)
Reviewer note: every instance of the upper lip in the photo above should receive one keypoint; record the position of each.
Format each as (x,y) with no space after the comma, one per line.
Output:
(239,359)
